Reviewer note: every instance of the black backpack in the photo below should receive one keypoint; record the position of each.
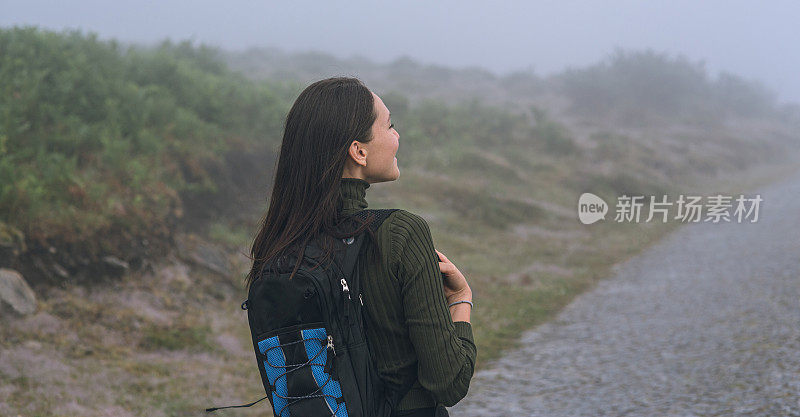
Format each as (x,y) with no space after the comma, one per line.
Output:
(309,336)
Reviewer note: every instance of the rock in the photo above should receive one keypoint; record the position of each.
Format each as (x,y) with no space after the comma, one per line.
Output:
(41,268)
(194,250)
(114,266)
(15,294)
(60,271)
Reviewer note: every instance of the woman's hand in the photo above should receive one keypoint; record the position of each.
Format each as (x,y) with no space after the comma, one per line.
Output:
(455,284)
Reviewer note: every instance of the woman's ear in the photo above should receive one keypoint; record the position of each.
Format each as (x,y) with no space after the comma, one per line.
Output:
(358,152)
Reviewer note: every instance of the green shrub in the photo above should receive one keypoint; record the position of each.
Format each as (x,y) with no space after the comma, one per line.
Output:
(93,136)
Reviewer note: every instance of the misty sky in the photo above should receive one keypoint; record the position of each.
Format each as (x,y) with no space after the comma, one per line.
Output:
(754,39)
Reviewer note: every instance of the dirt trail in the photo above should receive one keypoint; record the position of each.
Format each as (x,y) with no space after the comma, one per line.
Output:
(703,323)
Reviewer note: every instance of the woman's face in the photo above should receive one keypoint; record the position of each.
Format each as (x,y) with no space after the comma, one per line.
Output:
(376,158)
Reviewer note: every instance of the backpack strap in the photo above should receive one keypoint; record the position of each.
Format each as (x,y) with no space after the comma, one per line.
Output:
(354,249)
(351,258)
(380,216)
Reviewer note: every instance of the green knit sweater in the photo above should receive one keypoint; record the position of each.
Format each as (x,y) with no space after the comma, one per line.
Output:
(410,329)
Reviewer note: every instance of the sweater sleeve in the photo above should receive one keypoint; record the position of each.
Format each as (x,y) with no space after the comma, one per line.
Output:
(445,350)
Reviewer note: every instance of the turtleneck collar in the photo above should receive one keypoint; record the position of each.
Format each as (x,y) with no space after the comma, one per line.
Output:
(354,191)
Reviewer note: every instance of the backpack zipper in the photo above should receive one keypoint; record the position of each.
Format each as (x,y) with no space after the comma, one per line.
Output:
(345,288)
(328,368)
(330,345)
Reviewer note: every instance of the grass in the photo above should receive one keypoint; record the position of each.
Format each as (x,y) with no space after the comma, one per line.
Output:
(504,310)
(183,336)
(163,345)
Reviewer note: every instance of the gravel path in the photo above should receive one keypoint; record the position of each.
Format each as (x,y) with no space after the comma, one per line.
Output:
(703,323)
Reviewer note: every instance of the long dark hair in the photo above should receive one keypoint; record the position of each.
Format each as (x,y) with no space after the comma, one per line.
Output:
(306,200)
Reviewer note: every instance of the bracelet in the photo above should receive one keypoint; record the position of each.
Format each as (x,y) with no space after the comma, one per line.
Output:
(458,302)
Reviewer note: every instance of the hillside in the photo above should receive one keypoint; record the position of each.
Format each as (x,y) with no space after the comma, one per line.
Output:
(107,151)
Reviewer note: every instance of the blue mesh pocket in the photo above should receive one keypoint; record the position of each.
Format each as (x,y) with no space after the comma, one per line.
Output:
(275,365)
(298,364)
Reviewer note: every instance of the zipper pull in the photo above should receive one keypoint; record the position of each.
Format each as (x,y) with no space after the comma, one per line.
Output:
(345,288)
(360,299)
(329,357)
(330,345)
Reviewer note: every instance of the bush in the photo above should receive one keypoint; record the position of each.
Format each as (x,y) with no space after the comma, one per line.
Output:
(94,138)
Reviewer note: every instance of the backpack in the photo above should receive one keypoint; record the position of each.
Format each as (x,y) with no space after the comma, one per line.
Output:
(310,339)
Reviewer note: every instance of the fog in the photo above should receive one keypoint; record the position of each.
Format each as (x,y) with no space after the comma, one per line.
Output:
(756,40)
(141,188)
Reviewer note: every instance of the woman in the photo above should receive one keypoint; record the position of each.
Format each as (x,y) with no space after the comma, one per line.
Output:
(338,140)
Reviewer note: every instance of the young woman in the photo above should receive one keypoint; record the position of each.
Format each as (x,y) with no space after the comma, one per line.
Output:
(339,139)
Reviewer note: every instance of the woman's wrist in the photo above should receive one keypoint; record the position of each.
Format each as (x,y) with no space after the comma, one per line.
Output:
(465,295)
(460,311)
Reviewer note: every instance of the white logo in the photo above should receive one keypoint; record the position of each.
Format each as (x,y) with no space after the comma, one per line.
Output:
(591,208)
